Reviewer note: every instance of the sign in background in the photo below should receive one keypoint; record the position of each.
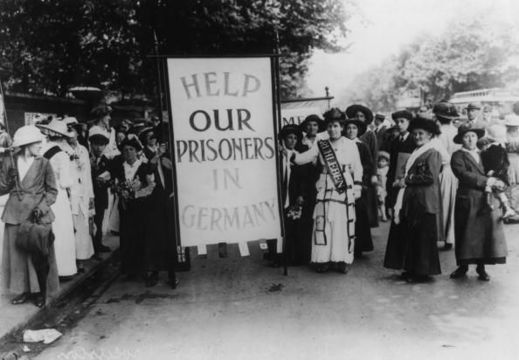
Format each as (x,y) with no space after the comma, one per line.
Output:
(296,116)
(225,150)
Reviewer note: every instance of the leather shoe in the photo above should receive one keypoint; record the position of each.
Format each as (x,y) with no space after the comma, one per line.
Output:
(39,301)
(20,299)
(459,272)
(102,249)
(482,275)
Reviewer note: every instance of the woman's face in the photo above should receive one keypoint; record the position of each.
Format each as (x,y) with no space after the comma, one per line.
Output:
(334,129)
(360,116)
(290,141)
(421,137)
(470,140)
(311,128)
(402,124)
(352,131)
(129,154)
(34,149)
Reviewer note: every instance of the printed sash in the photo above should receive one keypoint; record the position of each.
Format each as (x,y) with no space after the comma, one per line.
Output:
(332,164)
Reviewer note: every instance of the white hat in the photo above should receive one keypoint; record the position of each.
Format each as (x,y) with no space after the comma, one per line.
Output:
(26,135)
(497,132)
(512,120)
(58,127)
(97,130)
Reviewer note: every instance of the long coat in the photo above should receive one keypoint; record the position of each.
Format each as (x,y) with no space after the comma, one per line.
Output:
(415,250)
(407,146)
(479,232)
(38,189)
(363,240)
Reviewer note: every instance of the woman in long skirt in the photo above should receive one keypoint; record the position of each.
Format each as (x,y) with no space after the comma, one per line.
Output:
(363,241)
(480,238)
(31,186)
(365,115)
(417,209)
(62,227)
(338,187)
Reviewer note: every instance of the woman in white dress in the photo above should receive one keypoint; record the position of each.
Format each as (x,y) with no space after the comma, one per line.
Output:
(62,227)
(338,187)
(81,193)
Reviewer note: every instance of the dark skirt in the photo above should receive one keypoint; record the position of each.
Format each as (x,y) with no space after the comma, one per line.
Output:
(363,240)
(132,232)
(372,206)
(412,246)
(478,231)
(304,231)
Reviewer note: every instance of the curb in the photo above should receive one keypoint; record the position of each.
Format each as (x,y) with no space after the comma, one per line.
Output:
(13,336)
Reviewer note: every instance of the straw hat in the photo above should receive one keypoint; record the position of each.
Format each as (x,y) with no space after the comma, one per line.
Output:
(26,135)
(512,120)
(57,127)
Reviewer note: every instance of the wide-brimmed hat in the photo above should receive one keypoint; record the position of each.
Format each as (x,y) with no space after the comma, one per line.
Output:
(133,142)
(463,129)
(384,155)
(101,110)
(26,135)
(445,110)
(57,127)
(334,114)
(473,106)
(352,110)
(497,132)
(512,120)
(97,136)
(361,125)
(313,118)
(289,129)
(402,114)
(421,122)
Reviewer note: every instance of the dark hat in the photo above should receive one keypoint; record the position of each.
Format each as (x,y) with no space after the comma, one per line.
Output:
(352,110)
(334,114)
(379,116)
(384,155)
(425,124)
(402,114)
(473,106)
(289,129)
(515,108)
(463,129)
(101,110)
(314,118)
(98,139)
(133,142)
(144,132)
(361,125)
(445,110)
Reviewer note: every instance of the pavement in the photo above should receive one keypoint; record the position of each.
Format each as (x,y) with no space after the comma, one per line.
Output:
(239,308)
(16,317)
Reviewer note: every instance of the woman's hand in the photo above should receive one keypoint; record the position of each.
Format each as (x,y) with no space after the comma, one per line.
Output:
(357,191)
(374,180)
(300,201)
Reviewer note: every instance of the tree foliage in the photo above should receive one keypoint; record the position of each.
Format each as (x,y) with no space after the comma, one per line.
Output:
(469,55)
(50,45)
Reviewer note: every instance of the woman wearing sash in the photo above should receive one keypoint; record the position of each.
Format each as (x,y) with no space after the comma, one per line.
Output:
(417,209)
(63,226)
(338,187)
(31,186)
(363,241)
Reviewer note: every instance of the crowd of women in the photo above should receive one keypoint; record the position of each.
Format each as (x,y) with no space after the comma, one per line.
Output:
(438,179)
(68,186)
(441,180)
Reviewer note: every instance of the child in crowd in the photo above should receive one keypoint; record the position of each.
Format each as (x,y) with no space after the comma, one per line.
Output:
(382,168)
(494,159)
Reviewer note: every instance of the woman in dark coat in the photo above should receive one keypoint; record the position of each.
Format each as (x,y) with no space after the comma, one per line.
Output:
(308,175)
(417,209)
(31,186)
(478,228)
(365,115)
(133,181)
(363,241)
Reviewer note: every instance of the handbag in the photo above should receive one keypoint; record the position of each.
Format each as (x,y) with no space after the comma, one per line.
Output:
(34,237)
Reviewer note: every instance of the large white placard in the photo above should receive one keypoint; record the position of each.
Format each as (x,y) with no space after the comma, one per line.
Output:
(225,149)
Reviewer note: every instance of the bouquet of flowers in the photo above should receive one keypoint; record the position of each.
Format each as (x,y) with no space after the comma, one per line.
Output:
(294,212)
(126,190)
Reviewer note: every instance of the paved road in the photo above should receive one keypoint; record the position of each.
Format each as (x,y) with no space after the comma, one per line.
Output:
(237,308)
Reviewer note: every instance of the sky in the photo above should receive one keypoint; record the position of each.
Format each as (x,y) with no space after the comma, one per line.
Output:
(381,27)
